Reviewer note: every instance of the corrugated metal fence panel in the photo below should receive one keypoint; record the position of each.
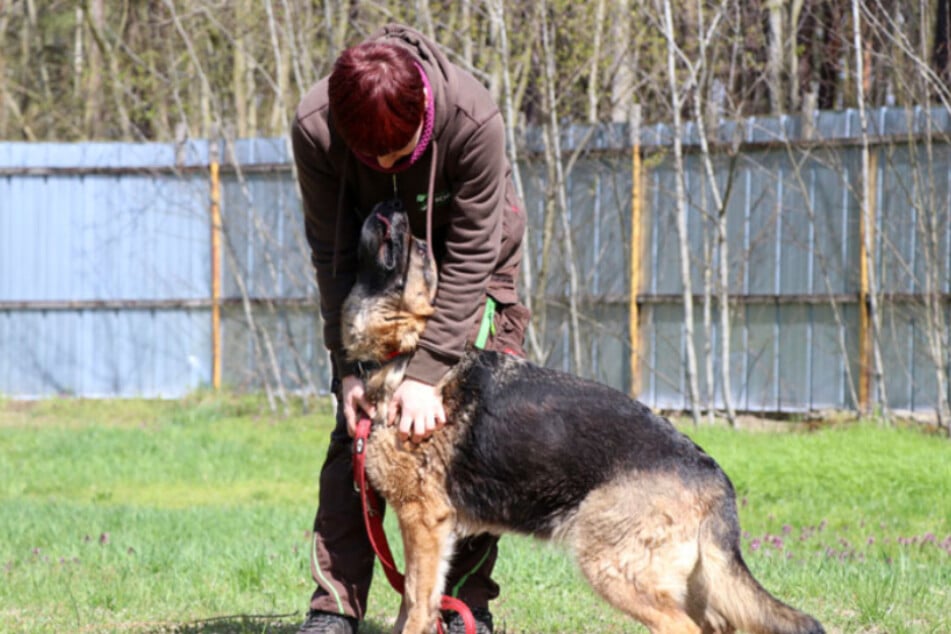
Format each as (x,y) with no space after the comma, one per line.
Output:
(125,227)
(598,198)
(265,248)
(913,237)
(773,245)
(101,236)
(794,229)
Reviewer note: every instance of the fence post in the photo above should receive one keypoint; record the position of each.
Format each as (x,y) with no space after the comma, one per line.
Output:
(215,204)
(637,210)
(866,259)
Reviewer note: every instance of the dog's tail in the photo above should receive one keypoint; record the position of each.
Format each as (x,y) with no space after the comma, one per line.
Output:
(733,595)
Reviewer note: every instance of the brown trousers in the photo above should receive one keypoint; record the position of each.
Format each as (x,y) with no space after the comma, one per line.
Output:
(342,557)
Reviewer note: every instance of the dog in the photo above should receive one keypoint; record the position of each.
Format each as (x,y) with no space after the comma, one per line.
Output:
(650,518)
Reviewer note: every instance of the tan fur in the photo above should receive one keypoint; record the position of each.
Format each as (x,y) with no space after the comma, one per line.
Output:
(412,479)
(635,540)
(376,327)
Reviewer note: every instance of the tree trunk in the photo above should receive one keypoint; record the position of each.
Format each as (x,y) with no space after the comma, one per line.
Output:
(693,390)
(282,76)
(941,49)
(594,77)
(93,11)
(497,15)
(93,102)
(622,83)
(776,41)
(554,157)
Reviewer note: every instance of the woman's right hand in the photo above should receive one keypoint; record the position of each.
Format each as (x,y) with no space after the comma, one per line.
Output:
(353,394)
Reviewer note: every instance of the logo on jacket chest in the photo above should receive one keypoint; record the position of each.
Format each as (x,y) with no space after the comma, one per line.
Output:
(440,199)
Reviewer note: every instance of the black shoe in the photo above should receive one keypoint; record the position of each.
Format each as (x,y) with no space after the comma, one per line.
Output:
(483,619)
(328,623)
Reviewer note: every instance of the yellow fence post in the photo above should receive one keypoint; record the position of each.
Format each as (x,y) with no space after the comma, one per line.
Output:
(215,186)
(866,254)
(637,210)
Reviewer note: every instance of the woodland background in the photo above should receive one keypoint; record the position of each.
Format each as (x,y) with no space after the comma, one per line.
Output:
(142,69)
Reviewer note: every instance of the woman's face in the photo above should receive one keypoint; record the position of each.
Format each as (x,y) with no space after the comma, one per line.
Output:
(389,160)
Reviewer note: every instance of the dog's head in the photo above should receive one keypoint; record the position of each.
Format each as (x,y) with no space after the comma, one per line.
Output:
(386,311)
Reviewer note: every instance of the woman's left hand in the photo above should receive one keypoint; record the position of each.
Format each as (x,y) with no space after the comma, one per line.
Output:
(420,410)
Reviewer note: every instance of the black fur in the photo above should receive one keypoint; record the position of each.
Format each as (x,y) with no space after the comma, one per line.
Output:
(523,419)
(383,250)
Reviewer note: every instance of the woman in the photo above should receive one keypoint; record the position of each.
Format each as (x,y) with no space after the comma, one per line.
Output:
(396,119)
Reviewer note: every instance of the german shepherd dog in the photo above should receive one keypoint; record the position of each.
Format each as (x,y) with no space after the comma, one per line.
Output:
(650,517)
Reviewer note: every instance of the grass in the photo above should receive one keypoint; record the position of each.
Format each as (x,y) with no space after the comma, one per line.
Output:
(193,516)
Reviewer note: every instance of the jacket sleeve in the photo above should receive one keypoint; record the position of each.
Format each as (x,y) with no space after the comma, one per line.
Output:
(330,228)
(478,175)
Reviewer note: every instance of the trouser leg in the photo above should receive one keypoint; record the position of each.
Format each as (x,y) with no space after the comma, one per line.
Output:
(470,574)
(342,557)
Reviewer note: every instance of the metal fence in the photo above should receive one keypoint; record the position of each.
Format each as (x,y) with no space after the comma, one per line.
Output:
(106,277)
(796,243)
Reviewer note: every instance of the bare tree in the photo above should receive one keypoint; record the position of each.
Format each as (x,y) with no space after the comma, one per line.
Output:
(594,81)
(676,97)
(497,10)
(776,64)
(557,184)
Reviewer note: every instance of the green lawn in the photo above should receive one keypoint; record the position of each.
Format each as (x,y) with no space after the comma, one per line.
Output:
(193,516)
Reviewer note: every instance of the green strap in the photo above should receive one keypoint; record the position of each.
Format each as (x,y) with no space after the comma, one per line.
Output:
(319,577)
(465,577)
(487,327)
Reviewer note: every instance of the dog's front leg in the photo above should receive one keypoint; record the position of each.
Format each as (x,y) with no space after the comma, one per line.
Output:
(426,527)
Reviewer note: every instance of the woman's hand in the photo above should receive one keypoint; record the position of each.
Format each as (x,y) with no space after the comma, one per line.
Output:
(353,394)
(420,410)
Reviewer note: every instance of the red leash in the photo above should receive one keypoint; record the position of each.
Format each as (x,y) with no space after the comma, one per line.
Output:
(373,520)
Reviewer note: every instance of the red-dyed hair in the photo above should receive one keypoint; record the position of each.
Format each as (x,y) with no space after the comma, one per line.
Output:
(376,97)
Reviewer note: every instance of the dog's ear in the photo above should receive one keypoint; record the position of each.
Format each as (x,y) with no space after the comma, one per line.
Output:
(419,291)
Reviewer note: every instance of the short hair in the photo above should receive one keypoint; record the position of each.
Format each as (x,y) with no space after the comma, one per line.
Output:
(376,97)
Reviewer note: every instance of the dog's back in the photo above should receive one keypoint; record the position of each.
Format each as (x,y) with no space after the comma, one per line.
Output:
(538,441)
